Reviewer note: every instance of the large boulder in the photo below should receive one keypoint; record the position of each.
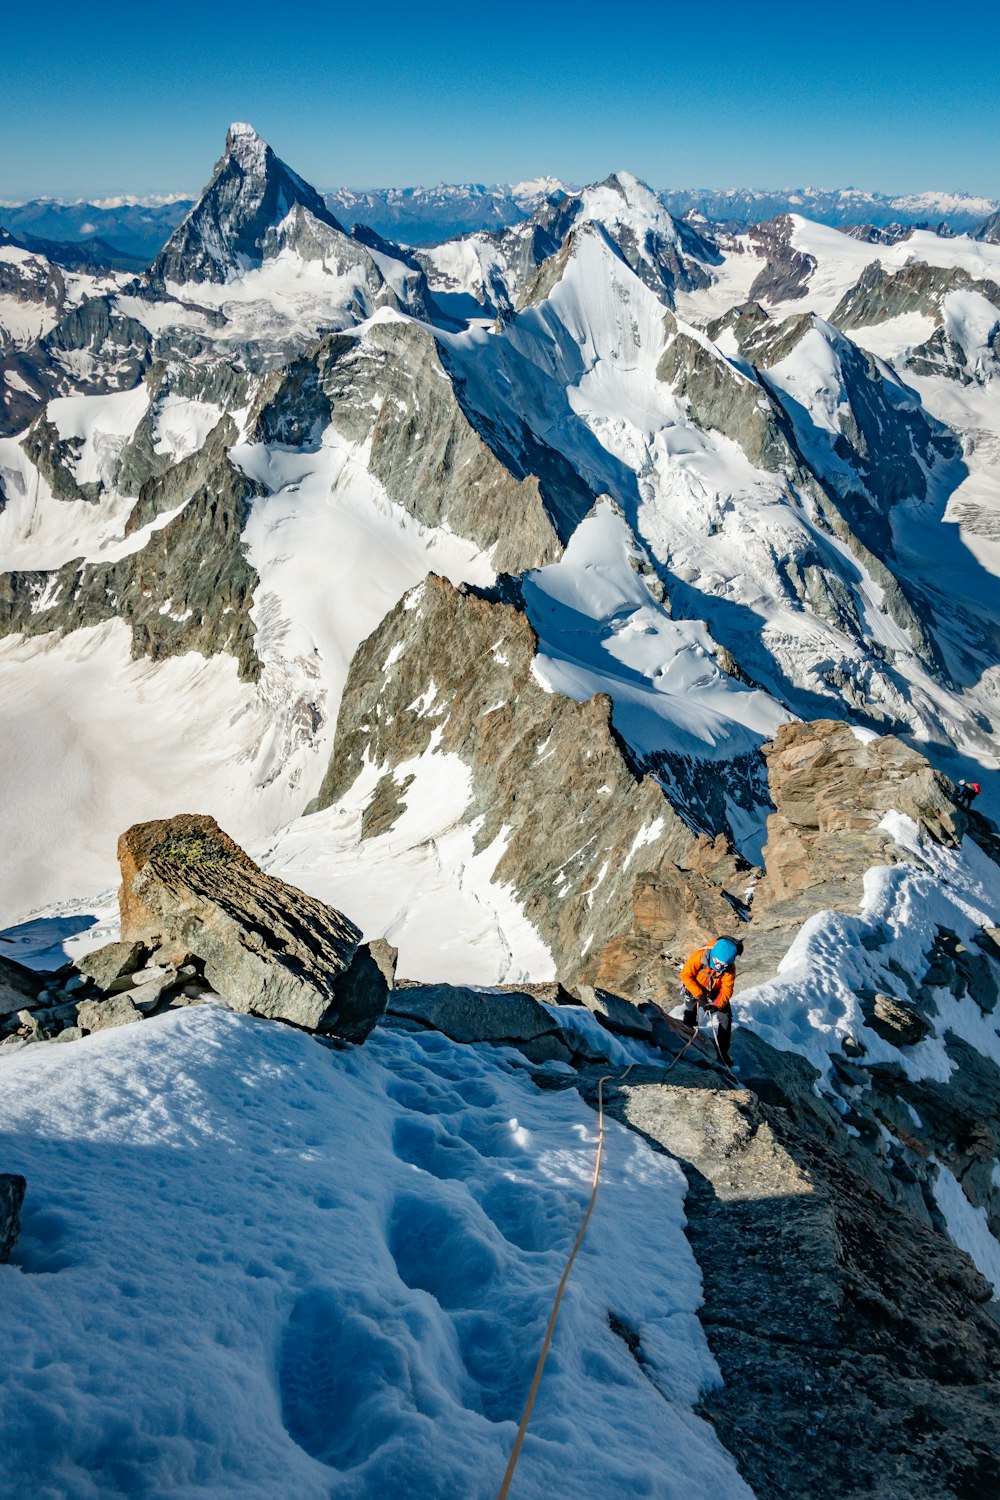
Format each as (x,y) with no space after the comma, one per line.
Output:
(268,949)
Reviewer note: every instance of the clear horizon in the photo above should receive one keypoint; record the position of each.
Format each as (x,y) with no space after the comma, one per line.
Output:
(138,105)
(154,197)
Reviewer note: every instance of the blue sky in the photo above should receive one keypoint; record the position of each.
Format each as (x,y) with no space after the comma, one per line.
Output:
(134,98)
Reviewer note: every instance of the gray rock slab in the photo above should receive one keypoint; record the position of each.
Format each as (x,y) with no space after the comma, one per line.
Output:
(109,963)
(17,985)
(468,1013)
(614,1012)
(98,1015)
(360,996)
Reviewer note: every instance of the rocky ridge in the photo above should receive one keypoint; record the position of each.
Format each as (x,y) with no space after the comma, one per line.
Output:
(549,782)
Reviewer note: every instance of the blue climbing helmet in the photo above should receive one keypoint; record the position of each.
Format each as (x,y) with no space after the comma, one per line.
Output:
(722,953)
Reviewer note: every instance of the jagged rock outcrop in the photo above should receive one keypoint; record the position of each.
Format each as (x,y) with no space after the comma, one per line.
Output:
(884,444)
(831,789)
(725,400)
(268,949)
(746,319)
(394,388)
(787,271)
(988,230)
(880,294)
(190,588)
(603,866)
(147,466)
(251,192)
(667,256)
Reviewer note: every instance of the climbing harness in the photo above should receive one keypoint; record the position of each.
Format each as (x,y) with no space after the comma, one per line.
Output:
(543,1356)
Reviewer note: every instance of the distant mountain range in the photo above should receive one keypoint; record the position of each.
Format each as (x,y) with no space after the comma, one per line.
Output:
(138,228)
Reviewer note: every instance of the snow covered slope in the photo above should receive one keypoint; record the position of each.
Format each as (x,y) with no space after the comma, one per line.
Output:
(278,1269)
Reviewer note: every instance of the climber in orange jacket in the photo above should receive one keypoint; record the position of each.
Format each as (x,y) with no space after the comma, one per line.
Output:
(708,978)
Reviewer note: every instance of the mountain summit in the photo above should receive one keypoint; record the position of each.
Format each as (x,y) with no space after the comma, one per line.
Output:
(251,191)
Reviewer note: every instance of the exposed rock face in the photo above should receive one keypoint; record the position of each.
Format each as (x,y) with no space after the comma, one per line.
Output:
(787,271)
(830,792)
(393,388)
(746,319)
(879,294)
(251,191)
(12,1187)
(582,837)
(835,1314)
(988,230)
(189,589)
(883,431)
(268,949)
(885,443)
(724,399)
(666,255)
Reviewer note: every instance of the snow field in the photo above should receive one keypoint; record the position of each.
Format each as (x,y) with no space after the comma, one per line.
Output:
(422,884)
(255,1267)
(601,630)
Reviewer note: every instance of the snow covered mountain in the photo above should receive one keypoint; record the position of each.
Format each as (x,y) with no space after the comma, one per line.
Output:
(424,216)
(770,426)
(488,592)
(427,215)
(835,206)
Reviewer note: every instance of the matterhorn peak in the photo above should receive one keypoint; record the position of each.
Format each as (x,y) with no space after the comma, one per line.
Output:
(251,192)
(246,147)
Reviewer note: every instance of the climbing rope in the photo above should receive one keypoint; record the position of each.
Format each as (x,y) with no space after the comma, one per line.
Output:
(550,1329)
(547,1341)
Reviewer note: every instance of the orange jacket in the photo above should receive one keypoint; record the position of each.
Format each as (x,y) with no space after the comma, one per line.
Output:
(705,983)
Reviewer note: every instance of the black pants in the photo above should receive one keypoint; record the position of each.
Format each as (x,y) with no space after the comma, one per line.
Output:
(723,1020)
